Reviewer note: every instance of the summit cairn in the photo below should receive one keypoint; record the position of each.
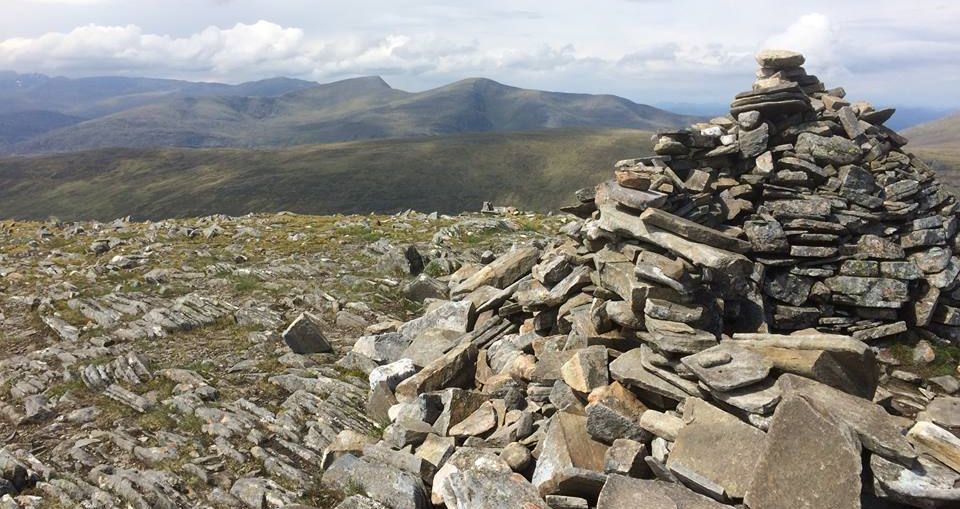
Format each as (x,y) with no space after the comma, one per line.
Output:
(705,336)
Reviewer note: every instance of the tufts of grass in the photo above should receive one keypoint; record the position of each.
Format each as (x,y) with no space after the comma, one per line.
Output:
(245,284)
(945,363)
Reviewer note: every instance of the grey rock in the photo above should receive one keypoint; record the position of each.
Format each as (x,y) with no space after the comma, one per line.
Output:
(717,446)
(382,348)
(810,461)
(392,374)
(620,492)
(834,150)
(388,485)
(305,335)
(452,316)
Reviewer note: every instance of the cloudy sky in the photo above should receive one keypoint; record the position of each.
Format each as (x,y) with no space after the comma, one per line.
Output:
(655,51)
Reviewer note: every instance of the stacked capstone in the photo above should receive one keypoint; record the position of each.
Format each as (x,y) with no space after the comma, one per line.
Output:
(848,233)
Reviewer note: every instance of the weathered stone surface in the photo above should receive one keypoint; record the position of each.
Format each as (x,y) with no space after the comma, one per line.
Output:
(926,484)
(810,461)
(717,446)
(868,291)
(392,374)
(567,452)
(693,231)
(483,481)
(452,316)
(766,236)
(661,424)
(726,367)
(305,335)
(454,368)
(779,59)
(388,485)
(754,142)
(587,369)
(626,457)
(621,492)
(835,360)
(834,150)
(875,429)
(382,348)
(614,412)
(943,410)
(937,442)
(501,272)
(628,369)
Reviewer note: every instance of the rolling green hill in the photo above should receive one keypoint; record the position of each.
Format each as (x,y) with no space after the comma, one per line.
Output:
(938,142)
(535,170)
(348,110)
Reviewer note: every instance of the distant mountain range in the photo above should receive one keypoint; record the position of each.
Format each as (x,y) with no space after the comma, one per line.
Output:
(40,114)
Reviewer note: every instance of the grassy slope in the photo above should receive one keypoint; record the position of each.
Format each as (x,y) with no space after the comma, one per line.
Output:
(535,170)
(939,143)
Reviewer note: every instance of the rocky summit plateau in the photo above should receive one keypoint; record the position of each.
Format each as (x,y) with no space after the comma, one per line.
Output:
(763,315)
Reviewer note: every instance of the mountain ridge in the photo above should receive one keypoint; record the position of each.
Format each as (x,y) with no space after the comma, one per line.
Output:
(351,109)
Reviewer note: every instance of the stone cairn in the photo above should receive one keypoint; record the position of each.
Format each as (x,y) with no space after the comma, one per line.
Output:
(699,339)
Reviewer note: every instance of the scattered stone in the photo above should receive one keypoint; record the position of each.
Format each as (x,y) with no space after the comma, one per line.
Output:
(305,335)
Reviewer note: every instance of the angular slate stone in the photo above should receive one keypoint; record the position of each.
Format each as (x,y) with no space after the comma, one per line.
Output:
(305,335)
(927,484)
(810,461)
(741,368)
(569,454)
(717,446)
(834,150)
(693,231)
(501,272)
(621,492)
(453,369)
(875,429)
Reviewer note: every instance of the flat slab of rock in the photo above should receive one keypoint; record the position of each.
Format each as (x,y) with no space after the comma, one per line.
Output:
(726,367)
(622,492)
(453,369)
(875,428)
(717,446)
(628,369)
(937,442)
(501,272)
(926,484)
(779,59)
(451,316)
(810,461)
(568,452)
(693,231)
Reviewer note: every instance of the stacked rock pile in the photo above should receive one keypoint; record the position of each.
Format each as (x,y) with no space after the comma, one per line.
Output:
(846,232)
(699,340)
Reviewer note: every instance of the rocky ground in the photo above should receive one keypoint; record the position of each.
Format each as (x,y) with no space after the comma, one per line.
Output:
(142,363)
(764,315)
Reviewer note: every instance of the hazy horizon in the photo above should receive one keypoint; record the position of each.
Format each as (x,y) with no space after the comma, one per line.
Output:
(649,51)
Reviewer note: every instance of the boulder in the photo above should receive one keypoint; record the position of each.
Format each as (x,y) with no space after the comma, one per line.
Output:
(810,460)
(305,335)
